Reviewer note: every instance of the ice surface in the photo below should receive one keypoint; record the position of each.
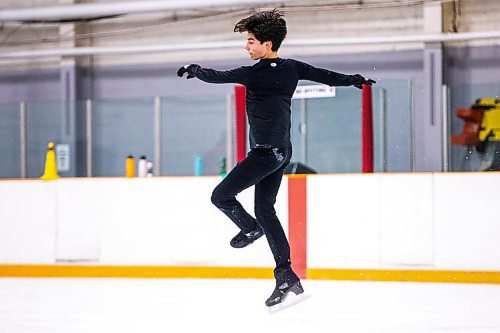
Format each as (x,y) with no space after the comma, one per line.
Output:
(237,305)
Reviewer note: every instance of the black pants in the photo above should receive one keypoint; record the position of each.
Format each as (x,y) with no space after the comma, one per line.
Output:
(264,168)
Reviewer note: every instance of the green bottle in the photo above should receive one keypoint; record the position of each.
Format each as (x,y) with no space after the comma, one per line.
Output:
(222,167)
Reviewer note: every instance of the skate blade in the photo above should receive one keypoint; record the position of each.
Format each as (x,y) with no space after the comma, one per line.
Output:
(290,300)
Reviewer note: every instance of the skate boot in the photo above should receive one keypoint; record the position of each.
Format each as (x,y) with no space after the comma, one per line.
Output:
(242,239)
(282,290)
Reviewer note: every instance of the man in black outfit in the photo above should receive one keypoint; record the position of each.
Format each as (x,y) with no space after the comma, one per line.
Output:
(270,84)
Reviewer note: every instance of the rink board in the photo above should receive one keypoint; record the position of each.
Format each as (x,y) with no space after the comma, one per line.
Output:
(403,227)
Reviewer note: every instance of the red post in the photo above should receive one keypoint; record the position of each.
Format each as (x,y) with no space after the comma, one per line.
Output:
(241,122)
(367,129)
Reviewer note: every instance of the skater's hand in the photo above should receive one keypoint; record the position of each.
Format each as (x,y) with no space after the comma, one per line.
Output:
(185,69)
(363,80)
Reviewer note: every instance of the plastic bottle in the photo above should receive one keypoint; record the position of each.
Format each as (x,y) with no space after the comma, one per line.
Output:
(198,166)
(223,167)
(130,166)
(149,168)
(142,168)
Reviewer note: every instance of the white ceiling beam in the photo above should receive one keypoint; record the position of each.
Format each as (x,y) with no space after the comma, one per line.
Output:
(92,10)
(117,50)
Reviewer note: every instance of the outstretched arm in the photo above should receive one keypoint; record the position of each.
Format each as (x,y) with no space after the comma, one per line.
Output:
(308,72)
(237,75)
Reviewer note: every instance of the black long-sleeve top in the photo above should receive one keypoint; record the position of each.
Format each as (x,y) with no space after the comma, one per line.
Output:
(270,84)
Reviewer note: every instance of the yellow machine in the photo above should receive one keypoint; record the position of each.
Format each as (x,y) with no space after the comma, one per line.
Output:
(490,126)
(481,131)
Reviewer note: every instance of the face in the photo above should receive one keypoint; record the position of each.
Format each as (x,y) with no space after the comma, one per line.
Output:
(256,49)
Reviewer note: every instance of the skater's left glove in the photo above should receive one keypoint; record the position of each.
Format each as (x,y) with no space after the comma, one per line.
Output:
(361,80)
(187,69)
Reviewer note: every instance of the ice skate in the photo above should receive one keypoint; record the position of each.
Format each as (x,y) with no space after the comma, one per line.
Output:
(242,239)
(281,292)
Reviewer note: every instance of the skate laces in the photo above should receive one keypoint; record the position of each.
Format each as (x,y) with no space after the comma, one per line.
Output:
(283,286)
(253,233)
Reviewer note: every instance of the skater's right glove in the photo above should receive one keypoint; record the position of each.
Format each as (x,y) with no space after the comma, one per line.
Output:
(187,69)
(362,80)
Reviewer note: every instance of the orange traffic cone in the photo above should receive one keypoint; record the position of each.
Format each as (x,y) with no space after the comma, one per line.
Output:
(50,164)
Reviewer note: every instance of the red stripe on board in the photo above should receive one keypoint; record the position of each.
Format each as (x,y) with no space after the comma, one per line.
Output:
(241,122)
(297,223)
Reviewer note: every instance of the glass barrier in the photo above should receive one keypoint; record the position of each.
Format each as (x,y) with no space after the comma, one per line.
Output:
(120,128)
(326,133)
(393,126)
(193,127)
(9,141)
(46,122)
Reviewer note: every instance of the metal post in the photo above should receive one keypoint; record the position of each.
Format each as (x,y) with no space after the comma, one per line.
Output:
(431,82)
(303,130)
(446,134)
(22,138)
(157,138)
(382,98)
(229,132)
(411,125)
(88,105)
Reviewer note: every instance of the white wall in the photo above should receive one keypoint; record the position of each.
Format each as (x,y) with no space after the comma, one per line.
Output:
(379,221)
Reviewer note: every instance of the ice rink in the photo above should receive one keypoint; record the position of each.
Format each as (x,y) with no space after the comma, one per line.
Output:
(237,305)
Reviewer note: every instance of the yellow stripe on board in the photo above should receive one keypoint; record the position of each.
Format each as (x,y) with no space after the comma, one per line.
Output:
(74,271)
(82,271)
(298,175)
(404,275)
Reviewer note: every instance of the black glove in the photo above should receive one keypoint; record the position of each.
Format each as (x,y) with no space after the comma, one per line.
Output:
(186,69)
(362,80)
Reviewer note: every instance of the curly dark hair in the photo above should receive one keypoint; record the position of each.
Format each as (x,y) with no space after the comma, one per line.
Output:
(266,26)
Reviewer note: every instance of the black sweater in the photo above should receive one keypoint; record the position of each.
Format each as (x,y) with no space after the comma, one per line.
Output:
(270,84)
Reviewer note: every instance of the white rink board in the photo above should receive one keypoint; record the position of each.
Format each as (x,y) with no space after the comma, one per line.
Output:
(467,221)
(78,216)
(259,254)
(406,220)
(27,222)
(118,221)
(374,221)
(430,221)
(136,222)
(342,221)
(171,221)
